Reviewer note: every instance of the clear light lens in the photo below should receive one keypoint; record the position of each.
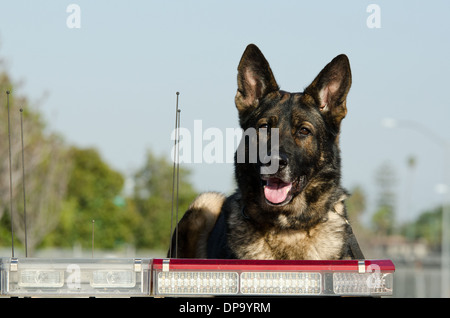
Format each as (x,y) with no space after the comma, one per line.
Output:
(41,278)
(196,283)
(376,283)
(113,279)
(281,283)
(33,277)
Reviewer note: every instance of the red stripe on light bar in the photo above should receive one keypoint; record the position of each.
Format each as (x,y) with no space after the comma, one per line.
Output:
(275,265)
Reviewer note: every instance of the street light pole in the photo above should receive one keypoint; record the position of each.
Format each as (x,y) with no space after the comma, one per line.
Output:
(445,253)
(445,238)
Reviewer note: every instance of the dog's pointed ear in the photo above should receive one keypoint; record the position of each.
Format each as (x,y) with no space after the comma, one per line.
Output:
(255,80)
(330,88)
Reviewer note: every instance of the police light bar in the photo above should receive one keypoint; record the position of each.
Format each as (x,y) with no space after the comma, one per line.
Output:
(190,277)
(33,277)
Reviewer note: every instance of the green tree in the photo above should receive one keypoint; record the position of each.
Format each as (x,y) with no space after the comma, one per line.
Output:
(44,170)
(427,226)
(94,194)
(356,204)
(383,220)
(153,200)
(356,207)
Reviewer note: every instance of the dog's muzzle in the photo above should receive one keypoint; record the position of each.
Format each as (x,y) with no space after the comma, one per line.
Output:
(280,188)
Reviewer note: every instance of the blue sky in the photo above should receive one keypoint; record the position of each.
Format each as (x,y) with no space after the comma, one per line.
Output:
(111,83)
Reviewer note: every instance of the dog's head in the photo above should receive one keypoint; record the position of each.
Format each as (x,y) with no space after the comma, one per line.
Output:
(296,134)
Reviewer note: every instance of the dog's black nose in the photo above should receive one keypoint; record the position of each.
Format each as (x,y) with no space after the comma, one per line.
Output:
(283,160)
(279,159)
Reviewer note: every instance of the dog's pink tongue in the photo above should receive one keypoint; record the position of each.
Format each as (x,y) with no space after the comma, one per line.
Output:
(276,191)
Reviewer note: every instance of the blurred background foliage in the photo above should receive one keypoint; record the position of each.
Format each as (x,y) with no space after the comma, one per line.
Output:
(72,193)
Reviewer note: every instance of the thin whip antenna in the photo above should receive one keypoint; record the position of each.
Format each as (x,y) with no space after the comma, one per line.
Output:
(178,180)
(23,183)
(93,222)
(10,176)
(173,180)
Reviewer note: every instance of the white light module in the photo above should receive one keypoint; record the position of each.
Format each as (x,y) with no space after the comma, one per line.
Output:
(197,283)
(41,278)
(281,283)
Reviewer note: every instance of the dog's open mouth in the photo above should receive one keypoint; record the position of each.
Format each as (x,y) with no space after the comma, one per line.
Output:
(279,192)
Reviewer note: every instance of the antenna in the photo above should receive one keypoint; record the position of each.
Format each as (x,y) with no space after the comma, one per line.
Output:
(10,176)
(175,173)
(178,181)
(23,183)
(93,222)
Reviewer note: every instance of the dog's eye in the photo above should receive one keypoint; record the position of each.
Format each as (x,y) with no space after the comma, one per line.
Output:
(264,126)
(304,131)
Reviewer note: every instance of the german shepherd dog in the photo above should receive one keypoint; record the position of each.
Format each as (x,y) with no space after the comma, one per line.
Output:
(296,212)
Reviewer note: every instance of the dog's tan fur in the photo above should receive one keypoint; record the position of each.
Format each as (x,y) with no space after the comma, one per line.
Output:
(196,224)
